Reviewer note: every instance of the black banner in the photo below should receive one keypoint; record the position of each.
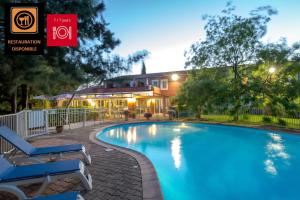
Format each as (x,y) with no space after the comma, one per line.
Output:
(24,28)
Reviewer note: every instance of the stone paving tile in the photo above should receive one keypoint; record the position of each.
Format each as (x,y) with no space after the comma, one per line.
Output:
(116,175)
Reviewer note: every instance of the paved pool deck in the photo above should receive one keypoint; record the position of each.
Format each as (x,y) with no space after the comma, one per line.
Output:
(117,173)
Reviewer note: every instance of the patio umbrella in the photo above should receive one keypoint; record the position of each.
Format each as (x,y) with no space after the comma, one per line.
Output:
(41,97)
(61,97)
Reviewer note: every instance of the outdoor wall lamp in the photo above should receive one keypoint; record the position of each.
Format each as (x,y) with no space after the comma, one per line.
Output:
(272,70)
(174,77)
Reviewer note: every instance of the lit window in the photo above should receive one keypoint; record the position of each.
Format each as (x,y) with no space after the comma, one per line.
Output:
(155,83)
(164,84)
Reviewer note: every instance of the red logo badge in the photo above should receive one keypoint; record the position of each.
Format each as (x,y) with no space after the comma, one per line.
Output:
(62,30)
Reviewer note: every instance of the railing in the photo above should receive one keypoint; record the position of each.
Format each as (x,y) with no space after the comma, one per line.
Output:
(16,122)
(25,123)
(74,117)
(31,123)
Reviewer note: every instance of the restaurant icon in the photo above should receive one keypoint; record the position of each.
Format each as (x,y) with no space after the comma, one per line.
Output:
(24,20)
(24,28)
(61,30)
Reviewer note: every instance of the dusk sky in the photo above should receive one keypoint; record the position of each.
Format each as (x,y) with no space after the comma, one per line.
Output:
(167,28)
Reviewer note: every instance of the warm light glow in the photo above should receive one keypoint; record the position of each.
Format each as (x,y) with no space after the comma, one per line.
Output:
(111,133)
(134,136)
(131,100)
(83,96)
(131,135)
(272,70)
(152,130)
(183,125)
(176,151)
(175,77)
(91,101)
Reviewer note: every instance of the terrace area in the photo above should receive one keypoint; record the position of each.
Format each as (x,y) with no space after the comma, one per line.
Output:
(116,173)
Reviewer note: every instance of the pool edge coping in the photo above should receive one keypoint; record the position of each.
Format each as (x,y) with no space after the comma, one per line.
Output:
(150,182)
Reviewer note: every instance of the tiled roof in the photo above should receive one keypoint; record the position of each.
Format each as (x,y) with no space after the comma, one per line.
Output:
(102,90)
(159,74)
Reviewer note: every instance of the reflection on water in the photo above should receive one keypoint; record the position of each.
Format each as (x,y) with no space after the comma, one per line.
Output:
(152,130)
(111,133)
(275,151)
(183,125)
(130,136)
(270,167)
(176,151)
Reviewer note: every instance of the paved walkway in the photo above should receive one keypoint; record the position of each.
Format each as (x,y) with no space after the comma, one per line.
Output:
(115,175)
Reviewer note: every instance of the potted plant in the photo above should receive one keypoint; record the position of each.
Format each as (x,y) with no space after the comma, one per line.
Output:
(147,115)
(126,114)
(59,128)
(133,115)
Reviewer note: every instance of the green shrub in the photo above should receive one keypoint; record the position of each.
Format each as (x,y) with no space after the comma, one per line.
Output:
(281,122)
(198,116)
(92,116)
(245,117)
(183,114)
(267,120)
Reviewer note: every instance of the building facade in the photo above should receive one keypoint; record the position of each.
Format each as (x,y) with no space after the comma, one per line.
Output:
(137,93)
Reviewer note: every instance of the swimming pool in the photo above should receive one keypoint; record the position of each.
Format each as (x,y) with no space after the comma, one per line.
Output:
(203,161)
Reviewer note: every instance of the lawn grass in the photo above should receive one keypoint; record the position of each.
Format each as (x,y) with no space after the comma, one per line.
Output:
(256,120)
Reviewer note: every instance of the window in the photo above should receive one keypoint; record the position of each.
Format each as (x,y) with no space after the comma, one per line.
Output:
(164,84)
(155,83)
(141,84)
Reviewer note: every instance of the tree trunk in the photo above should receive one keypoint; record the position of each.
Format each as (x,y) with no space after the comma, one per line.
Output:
(24,96)
(237,96)
(199,110)
(13,102)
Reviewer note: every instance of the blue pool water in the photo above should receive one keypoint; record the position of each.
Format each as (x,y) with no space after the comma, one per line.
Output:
(207,162)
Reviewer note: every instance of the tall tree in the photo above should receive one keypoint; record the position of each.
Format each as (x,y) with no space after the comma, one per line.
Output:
(63,69)
(143,71)
(232,42)
(274,80)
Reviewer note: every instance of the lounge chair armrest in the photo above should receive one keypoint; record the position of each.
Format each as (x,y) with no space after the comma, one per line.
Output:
(86,155)
(13,190)
(85,176)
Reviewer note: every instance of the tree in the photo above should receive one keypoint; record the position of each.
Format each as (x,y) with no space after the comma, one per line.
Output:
(279,90)
(63,69)
(21,72)
(143,71)
(233,42)
(205,90)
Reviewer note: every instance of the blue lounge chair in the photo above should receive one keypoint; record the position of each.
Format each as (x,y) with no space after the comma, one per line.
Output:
(37,152)
(11,177)
(64,196)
